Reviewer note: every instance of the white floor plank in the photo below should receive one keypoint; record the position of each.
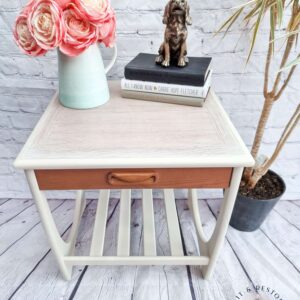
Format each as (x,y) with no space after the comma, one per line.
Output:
(11,208)
(161,282)
(275,228)
(229,276)
(2,201)
(19,260)
(296,202)
(263,261)
(16,228)
(111,282)
(290,211)
(263,254)
(53,286)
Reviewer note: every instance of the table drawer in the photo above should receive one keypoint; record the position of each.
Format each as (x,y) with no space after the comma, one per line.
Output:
(133,178)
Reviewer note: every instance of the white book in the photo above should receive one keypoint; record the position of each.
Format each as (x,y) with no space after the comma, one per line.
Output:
(171,99)
(168,89)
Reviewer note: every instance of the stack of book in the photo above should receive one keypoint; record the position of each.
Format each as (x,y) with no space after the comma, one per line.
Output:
(145,80)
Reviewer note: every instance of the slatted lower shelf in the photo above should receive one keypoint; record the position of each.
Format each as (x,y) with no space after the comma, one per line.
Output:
(137,260)
(149,256)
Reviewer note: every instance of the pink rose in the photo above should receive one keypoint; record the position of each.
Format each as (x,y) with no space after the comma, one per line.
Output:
(24,39)
(107,32)
(96,11)
(27,7)
(79,33)
(44,21)
(63,3)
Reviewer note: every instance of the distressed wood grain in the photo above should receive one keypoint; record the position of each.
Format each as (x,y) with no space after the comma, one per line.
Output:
(14,230)
(290,211)
(229,277)
(2,201)
(52,286)
(28,270)
(263,261)
(147,136)
(19,261)
(275,228)
(107,282)
(11,208)
(161,282)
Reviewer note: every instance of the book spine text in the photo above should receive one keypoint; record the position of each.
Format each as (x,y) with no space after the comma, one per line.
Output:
(169,89)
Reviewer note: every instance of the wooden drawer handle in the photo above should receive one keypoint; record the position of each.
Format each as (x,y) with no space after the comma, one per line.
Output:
(115,178)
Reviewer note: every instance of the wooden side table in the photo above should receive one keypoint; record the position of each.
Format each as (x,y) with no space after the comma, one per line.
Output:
(129,144)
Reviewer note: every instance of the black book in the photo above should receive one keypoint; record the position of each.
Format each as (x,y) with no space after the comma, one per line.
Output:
(144,68)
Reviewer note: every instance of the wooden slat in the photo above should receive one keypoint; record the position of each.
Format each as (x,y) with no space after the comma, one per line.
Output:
(154,283)
(137,260)
(94,283)
(124,224)
(173,225)
(145,283)
(100,224)
(149,226)
(86,179)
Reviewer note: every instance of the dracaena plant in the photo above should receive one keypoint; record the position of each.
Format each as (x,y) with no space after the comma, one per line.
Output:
(250,16)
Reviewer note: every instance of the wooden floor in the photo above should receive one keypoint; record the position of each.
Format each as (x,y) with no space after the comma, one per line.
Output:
(269,257)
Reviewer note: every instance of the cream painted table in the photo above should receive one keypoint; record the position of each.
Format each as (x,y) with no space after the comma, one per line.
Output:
(129,144)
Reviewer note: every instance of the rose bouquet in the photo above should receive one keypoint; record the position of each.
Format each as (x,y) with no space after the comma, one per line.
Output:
(71,25)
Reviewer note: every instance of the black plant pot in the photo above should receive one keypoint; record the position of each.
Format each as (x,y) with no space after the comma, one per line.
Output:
(249,214)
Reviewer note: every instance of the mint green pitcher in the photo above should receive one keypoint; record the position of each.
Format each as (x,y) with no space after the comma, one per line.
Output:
(82,79)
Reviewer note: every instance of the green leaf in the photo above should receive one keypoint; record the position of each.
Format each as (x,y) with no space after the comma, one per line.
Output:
(279,11)
(287,35)
(256,27)
(291,64)
(230,21)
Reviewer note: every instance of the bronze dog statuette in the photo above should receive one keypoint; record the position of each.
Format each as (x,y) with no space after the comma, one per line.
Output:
(173,50)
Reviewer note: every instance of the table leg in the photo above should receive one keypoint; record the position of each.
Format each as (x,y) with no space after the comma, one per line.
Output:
(209,248)
(216,242)
(194,208)
(212,247)
(59,247)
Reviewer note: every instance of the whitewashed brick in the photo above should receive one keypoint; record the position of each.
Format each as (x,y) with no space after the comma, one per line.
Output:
(20,136)
(7,104)
(49,68)
(24,121)
(9,5)
(5,167)
(8,66)
(4,151)
(5,135)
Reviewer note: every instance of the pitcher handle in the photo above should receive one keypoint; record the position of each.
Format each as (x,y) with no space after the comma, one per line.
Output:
(113,60)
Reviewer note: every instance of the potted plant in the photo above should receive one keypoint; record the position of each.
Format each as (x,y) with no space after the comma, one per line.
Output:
(262,188)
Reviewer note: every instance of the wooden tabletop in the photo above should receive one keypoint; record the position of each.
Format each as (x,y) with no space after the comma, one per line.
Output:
(128,133)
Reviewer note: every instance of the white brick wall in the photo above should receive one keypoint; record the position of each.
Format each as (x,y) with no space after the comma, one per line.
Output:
(26,84)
